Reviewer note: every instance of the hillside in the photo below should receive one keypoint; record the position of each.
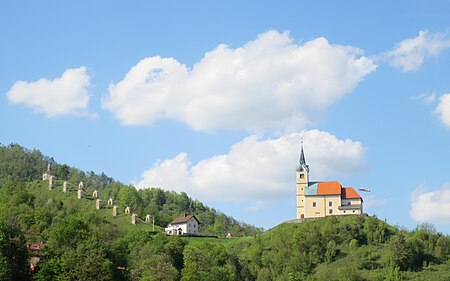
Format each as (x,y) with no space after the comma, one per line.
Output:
(82,243)
(21,170)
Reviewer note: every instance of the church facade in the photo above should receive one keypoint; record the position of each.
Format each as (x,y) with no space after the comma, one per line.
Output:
(320,199)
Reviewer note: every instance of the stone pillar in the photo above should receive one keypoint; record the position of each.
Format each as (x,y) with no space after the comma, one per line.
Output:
(98,204)
(51,182)
(148,218)
(95,194)
(110,202)
(115,211)
(80,185)
(127,210)
(133,219)
(80,193)
(65,189)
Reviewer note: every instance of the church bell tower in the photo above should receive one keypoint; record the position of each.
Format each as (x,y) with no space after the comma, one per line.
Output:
(302,183)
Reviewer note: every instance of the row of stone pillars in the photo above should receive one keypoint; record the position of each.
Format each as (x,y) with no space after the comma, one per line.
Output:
(98,202)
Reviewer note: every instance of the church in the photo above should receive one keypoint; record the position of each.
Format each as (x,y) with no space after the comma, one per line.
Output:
(318,199)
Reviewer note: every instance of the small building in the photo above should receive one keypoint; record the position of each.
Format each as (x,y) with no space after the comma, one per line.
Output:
(188,224)
(47,174)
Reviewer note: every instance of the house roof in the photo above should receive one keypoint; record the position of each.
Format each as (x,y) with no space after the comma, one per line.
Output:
(184,219)
(323,188)
(329,188)
(349,193)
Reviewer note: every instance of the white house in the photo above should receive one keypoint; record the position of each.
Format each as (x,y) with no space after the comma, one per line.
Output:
(188,224)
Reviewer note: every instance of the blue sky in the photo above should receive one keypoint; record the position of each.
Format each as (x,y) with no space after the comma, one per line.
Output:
(213,99)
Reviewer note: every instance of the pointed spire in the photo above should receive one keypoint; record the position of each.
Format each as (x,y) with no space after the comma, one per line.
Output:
(302,157)
(302,162)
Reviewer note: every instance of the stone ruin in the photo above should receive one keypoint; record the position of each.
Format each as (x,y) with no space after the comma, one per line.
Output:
(65,188)
(80,194)
(127,210)
(98,204)
(115,211)
(133,219)
(95,194)
(80,185)
(51,182)
(110,202)
(148,218)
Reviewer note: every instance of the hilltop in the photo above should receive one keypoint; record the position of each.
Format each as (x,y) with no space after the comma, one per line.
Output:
(82,243)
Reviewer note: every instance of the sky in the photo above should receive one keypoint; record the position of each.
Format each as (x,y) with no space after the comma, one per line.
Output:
(213,98)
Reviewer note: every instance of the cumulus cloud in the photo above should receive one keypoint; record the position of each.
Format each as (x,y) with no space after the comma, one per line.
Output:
(66,95)
(256,170)
(431,206)
(443,109)
(269,84)
(409,54)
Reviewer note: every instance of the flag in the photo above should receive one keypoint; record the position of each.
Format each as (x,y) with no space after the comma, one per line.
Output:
(364,190)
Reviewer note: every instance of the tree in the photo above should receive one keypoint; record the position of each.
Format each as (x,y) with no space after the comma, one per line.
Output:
(443,248)
(62,172)
(402,254)
(67,233)
(128,196)
(175,248)
(13,253)
(157,268)
(205,262)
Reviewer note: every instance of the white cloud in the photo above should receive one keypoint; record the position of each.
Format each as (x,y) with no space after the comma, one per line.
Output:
(371,201)
(66,95)
(431,206)
(268,85)
(409,54)
(256,170)
(426,98)
(443,109)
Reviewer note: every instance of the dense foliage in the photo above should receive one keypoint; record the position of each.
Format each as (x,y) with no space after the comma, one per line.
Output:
(81,243)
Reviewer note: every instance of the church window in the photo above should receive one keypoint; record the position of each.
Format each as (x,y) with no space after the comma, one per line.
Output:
(302,176)
(330,204)
(314,204)
(330,211)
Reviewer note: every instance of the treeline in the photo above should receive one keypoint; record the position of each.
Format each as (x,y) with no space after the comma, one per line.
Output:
(347,248)
(88,247)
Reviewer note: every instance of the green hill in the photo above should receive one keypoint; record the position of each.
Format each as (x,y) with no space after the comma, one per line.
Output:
(82,243)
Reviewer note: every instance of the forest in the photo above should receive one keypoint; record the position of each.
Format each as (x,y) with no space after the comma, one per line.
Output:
(77,242)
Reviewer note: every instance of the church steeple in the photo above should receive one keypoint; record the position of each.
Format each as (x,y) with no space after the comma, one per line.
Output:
(302,162)
(302,183)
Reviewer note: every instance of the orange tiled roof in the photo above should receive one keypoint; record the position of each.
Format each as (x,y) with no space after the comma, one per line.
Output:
(349,193)
(329,188)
